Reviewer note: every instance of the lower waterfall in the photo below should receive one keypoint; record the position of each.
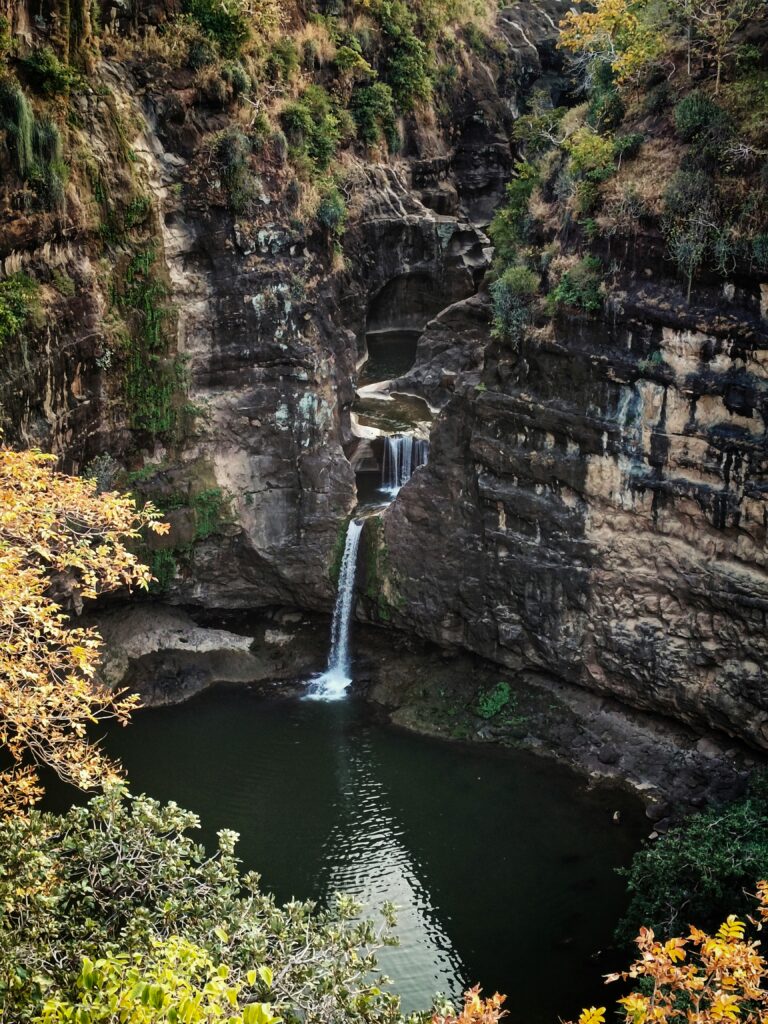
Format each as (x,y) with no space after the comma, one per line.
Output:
(332,684)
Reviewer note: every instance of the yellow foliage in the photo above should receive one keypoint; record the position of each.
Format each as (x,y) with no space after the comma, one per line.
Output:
(701,979)
(594,1015)
(59,540)
(476,1010)
(176,982)
(614,32)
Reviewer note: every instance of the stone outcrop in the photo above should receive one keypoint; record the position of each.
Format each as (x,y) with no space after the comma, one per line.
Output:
(166,657)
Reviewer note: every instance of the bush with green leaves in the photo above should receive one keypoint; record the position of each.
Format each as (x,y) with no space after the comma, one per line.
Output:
(238,79)
(510,222)
(406,57)
(313,127)
(282,61)
(174,982)
(233,151)
(698,118)
(121,876)
(579,287)
(19,304)
(591,155)
(48,74)
(512,294)
(332,210)
(224,21)
(36,145)
(373,110)
(606,107)
(152,379)
(494,701)
(703,869)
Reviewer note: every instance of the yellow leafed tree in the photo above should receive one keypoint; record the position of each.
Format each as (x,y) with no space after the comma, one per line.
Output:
(60,542)
(700,979)
(615,32)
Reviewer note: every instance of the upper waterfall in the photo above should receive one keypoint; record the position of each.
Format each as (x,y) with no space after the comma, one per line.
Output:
(403,453)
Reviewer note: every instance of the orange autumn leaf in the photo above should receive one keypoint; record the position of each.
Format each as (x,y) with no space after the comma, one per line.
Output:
(701,979)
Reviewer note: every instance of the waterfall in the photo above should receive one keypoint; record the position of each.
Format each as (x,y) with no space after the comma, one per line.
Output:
(403,453)
(332,684)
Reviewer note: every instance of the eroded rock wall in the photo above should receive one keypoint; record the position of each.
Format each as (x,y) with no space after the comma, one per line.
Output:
(596,507)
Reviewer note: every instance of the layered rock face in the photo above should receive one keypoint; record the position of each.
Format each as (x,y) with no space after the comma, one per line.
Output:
(595,508)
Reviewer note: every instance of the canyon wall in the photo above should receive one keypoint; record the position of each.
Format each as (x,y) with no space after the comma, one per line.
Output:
(595,504)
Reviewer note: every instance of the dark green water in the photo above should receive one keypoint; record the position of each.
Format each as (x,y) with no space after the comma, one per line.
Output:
(502,865)
(390,355)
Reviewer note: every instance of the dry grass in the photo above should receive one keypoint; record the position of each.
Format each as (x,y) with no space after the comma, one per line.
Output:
(315,35)
(647,175)
(171,45)
(309,201)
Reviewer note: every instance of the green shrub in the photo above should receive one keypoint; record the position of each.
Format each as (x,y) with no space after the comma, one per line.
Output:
(63,283)
(47,73)
(225,21)
(373,109)
(510,222)
(164,567)
(209,507)
(512,295)
(312,127)
(122,874)
(349,61)
(579,287)
(332,210)
(19,304)
(698,118)
(540,131)
(406,64)
(587,194)
(590,154)
(282,61)
(702,869)
(235,75)
(36,145)
(18,121)
(491,703)
(6,40)
(606,108)
(152,379)
(233,150)
(627,145)
(201,53)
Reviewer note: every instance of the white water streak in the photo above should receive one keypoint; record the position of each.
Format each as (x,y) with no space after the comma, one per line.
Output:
(333,683)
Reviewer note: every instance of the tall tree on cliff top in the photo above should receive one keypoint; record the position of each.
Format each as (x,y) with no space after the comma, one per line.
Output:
(60,542)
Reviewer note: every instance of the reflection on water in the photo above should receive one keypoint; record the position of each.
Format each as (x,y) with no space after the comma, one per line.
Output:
(502,865)
(366,855)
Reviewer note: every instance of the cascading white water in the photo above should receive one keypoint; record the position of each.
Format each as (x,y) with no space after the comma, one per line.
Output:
(333,683)
(403,453)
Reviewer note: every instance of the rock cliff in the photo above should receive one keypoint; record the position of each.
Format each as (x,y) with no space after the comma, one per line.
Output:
(594,504)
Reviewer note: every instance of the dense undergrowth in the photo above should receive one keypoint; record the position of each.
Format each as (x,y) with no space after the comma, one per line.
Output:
(301,97)
(671,139)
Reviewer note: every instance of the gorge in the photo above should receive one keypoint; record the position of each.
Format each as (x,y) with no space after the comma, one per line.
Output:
(437,335)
